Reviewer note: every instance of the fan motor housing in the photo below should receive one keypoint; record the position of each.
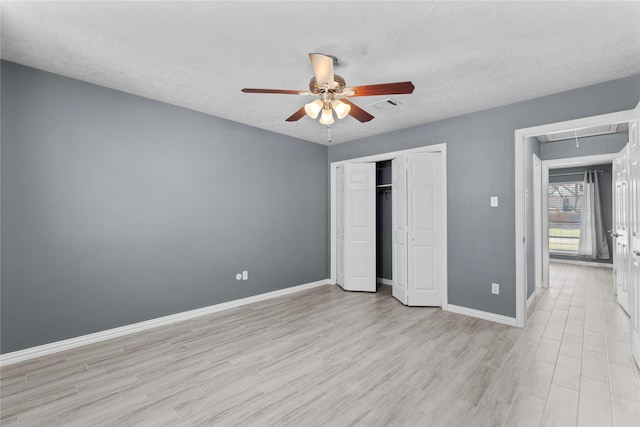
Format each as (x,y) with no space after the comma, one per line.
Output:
(315,88)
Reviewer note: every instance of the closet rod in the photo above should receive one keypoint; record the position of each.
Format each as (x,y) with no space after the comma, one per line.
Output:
(574,173)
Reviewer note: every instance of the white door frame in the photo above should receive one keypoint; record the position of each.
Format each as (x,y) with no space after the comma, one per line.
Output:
(441,148)
(537,223)
(521,136)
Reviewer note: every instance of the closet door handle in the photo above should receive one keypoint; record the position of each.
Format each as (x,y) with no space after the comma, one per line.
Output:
(615,235)
(636,253)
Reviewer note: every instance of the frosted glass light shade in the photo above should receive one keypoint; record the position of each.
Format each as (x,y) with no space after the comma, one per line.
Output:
(341,108)
(327,116)
(313,108)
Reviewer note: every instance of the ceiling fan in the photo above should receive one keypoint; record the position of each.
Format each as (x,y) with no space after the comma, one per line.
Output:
(332,92)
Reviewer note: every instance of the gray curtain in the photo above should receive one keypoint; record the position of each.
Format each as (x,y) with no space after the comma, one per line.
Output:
(593,240)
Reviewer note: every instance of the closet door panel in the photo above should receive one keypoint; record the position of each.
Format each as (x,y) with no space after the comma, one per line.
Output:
(340,213)
(620,226)
(425,231)
(360,227)
(399,232)
(634,233)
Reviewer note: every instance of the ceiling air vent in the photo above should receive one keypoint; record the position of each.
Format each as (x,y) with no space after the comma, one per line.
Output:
(386,104)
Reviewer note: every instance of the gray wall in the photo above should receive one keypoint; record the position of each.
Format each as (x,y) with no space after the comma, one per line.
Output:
(480,163)
(606,201)
(532,146)
(118,209)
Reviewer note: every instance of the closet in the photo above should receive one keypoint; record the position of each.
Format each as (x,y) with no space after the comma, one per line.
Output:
(396,206)
(384,209)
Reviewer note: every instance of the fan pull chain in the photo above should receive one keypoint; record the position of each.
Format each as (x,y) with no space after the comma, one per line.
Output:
(329,134)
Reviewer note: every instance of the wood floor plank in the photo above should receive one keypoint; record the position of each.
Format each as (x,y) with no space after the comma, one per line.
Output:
(562,407)
(571,346)
(548,350)
(64,411)
(527,411)
(595,403)
(624,383)
(567,372)
(40,364)
(9,422)
(595,366)
(625,413)
(619,353)
(538,379)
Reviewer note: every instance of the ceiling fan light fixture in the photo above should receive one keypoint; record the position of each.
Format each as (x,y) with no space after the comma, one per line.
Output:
(313,108)
(327,117)
(342,109)
(328,86)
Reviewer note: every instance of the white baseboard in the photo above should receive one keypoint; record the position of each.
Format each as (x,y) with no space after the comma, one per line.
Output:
(498,318)
(54,347)
(531,299)
(387,282)
(585,263)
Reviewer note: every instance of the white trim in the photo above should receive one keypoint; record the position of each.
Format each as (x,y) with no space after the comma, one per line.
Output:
(383,281)
(544,236)
(485,315)
(531,299)
(333,208)
(445,238)
(520,138)
(585,263)
(575,162)
(537,222)
(71,343)
(441,148)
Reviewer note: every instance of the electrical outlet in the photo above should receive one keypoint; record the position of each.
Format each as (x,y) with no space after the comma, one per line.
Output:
(245,275)
(495,288)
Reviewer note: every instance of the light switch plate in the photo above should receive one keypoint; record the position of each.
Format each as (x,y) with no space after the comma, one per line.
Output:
(494,201)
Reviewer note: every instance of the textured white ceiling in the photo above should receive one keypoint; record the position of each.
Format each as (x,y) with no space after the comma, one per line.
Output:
(461,56)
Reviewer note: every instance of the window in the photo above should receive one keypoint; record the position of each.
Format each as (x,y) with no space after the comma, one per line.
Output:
(565,211)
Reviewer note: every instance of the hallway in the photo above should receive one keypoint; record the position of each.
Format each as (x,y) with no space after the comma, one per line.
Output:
(582,370)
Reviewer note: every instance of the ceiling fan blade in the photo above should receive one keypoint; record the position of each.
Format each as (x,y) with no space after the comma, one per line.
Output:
(357,112)
(297,115)
(280,91)
(323,69)
(398,88)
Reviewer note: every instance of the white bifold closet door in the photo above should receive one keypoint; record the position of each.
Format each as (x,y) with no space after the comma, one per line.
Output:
(620,226)
(356,226)
(419,237)
(634,233)
(399,225)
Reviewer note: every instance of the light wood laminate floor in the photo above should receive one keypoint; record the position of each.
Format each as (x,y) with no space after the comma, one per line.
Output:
(331,358)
